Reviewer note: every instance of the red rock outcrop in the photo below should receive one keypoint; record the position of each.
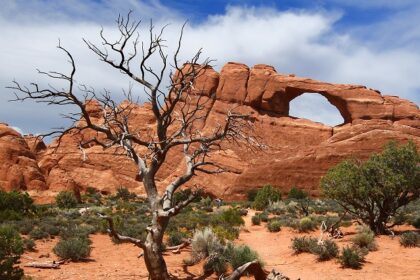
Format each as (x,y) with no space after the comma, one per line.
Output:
(299,151)
(18,165)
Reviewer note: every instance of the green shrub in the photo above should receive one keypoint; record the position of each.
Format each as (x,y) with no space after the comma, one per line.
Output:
(306,224)
(303,244)
(38,233)
(66,200)
(410,239)
(296,193)
(124,194)
(251,195)
(416,223)
(264,196)
(29,244)
(75,248)
(256,220)
(176,237)
(241,255)
(218,259)
(226,233)
(25,226)
(274,226)
(202,244)
(373,190)
(11,248)
(365,238)
(327,250)
(14,204)
(352,257)
(263,217)
(230,217)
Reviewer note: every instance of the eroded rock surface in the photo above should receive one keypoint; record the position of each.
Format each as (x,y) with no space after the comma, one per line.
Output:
(299,151)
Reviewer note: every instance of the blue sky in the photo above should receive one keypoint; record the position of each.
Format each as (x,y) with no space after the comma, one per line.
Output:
(374,43)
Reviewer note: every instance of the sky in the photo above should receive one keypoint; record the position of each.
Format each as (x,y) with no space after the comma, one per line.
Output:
(373,43)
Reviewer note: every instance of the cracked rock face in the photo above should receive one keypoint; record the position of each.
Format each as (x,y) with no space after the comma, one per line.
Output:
(299,151)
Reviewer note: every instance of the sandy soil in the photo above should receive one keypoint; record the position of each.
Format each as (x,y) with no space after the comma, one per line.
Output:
(109,261)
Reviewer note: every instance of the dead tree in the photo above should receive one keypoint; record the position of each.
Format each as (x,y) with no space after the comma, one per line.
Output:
(176,108)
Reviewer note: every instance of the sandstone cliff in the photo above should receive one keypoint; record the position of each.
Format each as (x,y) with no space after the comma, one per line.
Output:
(298,153)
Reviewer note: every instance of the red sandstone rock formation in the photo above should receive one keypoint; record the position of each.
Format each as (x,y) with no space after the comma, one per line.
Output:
(18,166)
(298,153)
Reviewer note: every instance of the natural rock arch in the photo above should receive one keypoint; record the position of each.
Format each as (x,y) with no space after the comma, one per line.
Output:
(323,99)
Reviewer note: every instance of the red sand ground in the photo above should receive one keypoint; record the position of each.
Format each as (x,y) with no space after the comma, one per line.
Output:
(109,261)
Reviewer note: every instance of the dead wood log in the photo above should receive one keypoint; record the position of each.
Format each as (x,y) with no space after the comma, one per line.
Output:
(50,265)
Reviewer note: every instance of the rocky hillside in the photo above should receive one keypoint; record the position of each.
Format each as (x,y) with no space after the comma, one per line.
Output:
(298,152)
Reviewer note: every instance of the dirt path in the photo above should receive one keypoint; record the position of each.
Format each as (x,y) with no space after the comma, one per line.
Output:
(110,261)
(390,261)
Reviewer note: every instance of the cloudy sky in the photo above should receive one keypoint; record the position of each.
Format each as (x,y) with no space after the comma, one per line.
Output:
(374,43)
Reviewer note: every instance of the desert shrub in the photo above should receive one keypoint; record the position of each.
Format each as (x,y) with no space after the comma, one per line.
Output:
(296,193)
(218,258)
(416,223)
(66,200)
(29,244)
(277,208)
(263,216)
(230,217)
(387,181)
(176,237)
(256,220)
(14,204)
(228,233)
(241,255)
(306,224)
(327,250)
(352,257)
(303,244)
(410,239)
(38,233)
(365,238)
(264,196)
(251,195)
(11,248)
(202,243)
(51,229)
(25,226)
(75,248)
(124,194)
(274,225)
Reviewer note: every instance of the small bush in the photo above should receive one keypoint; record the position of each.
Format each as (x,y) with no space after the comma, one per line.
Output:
(124,194)
(416,223)
(226,233)
(410,239)
(241,255)
(202,242)
(75,249)
(251,195)
(66,200)
(352,257)
(256,220)
(176,238)
(29,244)
(303,244)
(274,226)
(264,196)
(25,226)
(11,248)
(306,224)
(296,193)
(263,217)
(325,251)
(365,238)
(231,217)
(38,233)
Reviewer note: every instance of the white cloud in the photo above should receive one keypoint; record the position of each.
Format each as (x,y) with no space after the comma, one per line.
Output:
(301,42)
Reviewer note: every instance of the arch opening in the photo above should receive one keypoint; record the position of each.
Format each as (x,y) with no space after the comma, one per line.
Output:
(315,107)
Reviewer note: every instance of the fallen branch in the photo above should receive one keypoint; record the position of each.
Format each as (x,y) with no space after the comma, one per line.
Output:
(176,249)
(253,268)
(53,264)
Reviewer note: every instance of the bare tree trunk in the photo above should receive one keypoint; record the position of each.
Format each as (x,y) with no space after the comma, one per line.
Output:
(155,264)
